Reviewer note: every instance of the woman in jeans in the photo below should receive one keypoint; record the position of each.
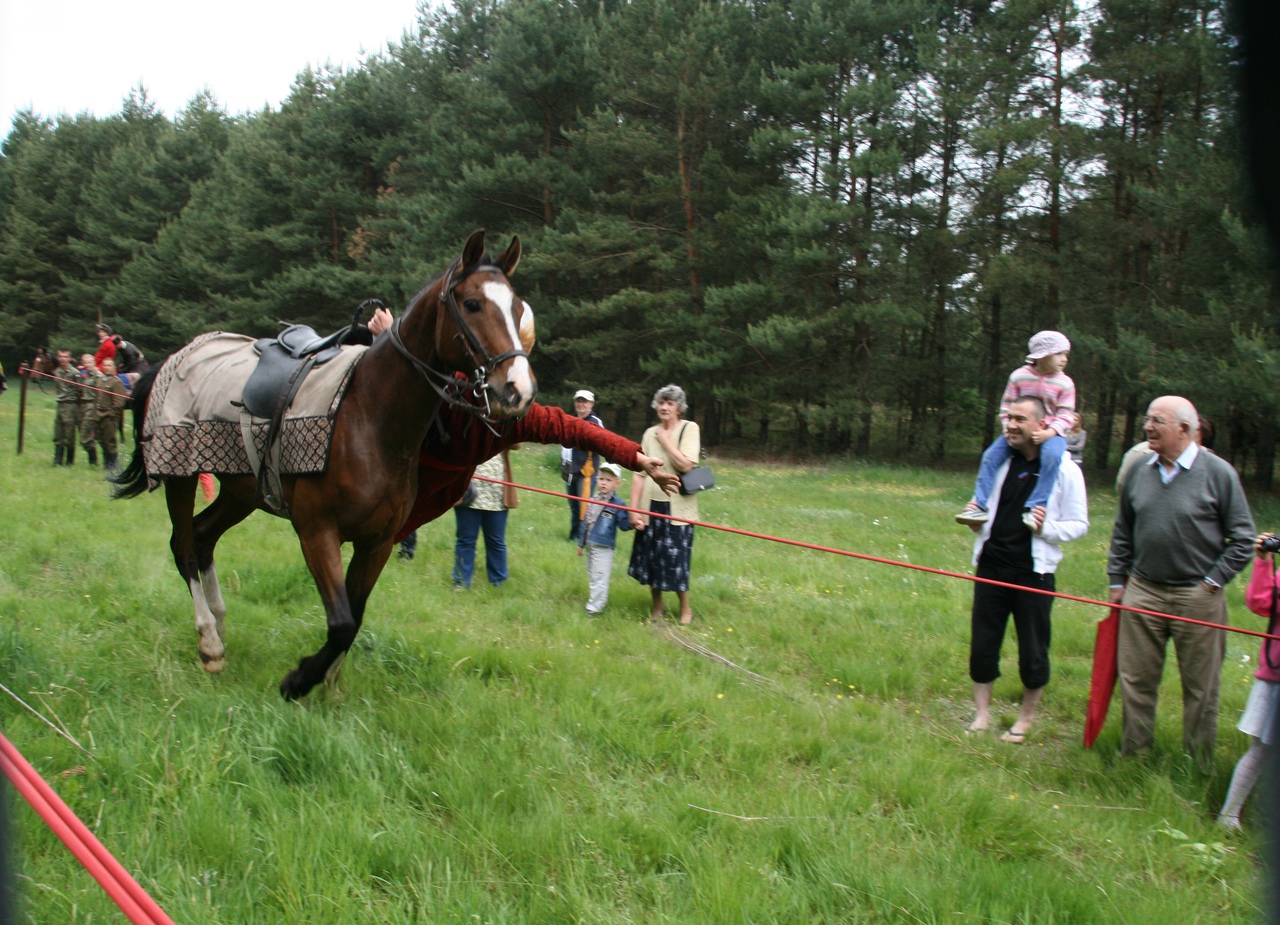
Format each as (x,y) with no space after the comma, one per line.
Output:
(487,511)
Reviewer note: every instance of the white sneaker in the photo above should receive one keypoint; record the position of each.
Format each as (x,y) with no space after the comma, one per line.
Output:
(1030,520)
(972,516)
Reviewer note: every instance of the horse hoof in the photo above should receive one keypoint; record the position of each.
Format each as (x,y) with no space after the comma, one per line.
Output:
(292,687)
(213,665)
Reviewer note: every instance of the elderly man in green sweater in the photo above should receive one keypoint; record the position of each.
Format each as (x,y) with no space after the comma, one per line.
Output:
(1183,530)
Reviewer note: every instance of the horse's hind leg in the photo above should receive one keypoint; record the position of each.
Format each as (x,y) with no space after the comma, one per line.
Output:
(180,496)
(220,516)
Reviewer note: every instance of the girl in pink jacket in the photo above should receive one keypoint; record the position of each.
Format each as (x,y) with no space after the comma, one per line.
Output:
(1263,696)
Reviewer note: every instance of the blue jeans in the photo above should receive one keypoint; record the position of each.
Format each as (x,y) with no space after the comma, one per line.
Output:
(470,522)
(1051,452)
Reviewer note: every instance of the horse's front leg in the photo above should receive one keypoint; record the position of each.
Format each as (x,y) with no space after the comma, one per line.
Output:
(323,552)
(366,565)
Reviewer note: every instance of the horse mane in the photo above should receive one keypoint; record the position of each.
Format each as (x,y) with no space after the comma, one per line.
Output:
(132,480)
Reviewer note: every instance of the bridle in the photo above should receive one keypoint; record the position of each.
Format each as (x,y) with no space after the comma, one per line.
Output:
(468,393)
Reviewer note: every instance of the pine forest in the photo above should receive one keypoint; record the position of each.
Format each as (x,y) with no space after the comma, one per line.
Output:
(835,223)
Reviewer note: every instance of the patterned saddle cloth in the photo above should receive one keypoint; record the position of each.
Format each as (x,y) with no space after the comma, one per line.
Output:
(193,421)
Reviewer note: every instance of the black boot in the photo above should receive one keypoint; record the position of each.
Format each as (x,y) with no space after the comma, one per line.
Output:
(58,453)
(71,455)
(93,455)
(110,462)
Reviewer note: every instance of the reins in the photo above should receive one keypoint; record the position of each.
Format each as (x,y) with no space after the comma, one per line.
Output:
(452,390)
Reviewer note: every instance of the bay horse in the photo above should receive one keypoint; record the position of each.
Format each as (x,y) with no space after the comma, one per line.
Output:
(43,366)
(460,341)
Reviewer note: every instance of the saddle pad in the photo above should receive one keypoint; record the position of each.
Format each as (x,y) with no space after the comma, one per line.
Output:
(192,426)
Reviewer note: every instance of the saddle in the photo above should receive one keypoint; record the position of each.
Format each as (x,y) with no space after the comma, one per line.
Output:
(283,363)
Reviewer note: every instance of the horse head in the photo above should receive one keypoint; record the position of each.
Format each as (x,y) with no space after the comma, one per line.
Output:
(485,330)
(471,322)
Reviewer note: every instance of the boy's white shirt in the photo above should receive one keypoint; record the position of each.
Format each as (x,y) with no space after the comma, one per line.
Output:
(1066,517)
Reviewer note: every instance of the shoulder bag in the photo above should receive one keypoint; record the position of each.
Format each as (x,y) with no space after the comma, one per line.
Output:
(697,479)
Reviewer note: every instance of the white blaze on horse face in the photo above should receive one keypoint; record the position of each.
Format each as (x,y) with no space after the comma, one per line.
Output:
(518,373)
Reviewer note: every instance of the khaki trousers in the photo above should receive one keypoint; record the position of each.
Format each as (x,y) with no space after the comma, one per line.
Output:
(108,431)
(599,571)
(1142,647)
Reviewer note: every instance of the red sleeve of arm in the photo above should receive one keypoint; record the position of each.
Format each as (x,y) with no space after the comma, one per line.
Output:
(548,424)
(1257,597)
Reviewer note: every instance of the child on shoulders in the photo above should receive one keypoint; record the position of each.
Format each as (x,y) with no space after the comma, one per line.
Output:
(1042,377)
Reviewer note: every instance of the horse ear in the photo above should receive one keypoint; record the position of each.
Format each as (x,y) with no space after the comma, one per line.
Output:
(527,336)
(510,258)
(473,250)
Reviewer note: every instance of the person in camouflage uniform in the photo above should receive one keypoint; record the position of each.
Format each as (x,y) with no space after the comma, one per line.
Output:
(67,384)
(87,410)
(109,403)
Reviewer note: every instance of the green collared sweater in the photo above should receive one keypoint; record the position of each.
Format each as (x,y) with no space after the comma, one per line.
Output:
(1196,527)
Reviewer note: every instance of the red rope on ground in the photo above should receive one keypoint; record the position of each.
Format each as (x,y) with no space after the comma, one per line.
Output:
(894,562)
(132,899)
(78,385)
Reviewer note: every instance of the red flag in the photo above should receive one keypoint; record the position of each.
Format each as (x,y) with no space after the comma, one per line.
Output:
(1103,683)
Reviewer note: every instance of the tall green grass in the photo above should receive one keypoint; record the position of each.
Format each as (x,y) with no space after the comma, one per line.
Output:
(499,757)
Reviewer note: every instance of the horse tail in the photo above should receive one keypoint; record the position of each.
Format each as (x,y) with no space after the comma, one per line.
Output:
(132,480)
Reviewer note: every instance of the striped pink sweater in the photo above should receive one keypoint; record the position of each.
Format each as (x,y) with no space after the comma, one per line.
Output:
(1057,391)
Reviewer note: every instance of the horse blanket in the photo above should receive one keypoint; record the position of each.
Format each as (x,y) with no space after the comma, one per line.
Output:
(193,417)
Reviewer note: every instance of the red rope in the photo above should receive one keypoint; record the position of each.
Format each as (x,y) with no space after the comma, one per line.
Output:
(895,562)
(78,385)
(132,899)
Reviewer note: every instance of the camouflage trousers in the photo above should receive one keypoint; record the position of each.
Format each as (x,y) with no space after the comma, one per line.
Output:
(64,427)
(88,425)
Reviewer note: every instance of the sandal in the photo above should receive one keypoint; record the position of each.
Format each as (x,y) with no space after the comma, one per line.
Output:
(1015,738)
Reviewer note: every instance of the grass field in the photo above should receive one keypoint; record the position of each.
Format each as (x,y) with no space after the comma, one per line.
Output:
(499,757)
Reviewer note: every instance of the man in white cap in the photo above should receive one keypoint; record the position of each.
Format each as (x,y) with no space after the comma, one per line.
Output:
(579,467)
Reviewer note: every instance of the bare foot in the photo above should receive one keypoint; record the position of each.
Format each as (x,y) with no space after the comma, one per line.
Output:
(657,616)
(686,617)
(978,725)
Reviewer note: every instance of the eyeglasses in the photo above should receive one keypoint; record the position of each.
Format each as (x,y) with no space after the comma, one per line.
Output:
(1155,421)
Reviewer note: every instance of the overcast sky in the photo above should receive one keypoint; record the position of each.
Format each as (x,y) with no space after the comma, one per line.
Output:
(71,56)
